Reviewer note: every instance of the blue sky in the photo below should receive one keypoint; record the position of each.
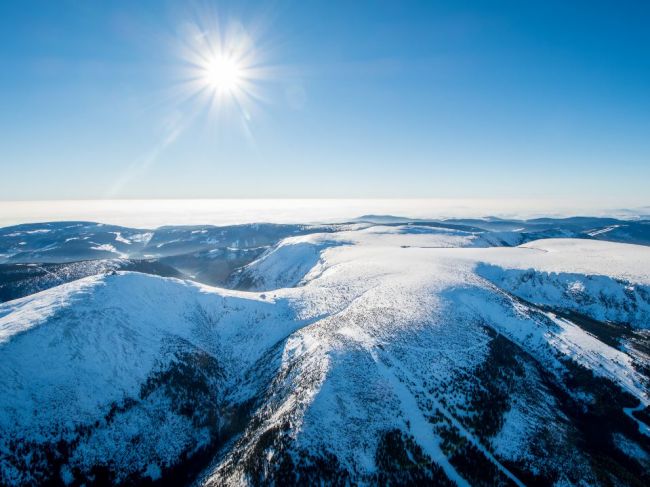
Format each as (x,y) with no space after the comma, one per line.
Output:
(440,99)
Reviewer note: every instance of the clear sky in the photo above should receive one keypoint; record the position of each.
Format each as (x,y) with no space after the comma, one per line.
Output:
(432,99)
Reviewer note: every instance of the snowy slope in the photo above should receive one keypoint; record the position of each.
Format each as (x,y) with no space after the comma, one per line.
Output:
(374,355)
(620,261)
(77,364)
(415,303)
(19,280)
(603,280)
(288,262)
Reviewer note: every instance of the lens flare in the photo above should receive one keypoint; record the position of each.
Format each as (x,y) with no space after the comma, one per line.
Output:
(223,67)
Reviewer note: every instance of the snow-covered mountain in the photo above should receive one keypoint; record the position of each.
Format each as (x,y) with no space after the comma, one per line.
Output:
(74,241)
(365,354)
(34,257)
(58,242)
(19,280)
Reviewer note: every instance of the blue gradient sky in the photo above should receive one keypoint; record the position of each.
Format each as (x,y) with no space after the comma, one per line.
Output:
(439,99)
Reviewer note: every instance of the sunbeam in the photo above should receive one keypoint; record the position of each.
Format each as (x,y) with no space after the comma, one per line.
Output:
(223,66)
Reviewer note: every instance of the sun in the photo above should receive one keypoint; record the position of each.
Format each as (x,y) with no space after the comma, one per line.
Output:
(224,68)
(223,74)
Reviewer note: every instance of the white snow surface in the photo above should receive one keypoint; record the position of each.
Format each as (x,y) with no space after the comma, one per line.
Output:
(288,263)
(603,280)
(580,256)
(378,317)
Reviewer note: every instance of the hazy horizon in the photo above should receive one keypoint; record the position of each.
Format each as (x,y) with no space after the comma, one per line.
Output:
(156,213)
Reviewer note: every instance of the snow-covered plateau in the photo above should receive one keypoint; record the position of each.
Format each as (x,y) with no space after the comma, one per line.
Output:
(363,354)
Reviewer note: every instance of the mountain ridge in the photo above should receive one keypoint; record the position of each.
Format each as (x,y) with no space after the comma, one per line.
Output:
(393,343)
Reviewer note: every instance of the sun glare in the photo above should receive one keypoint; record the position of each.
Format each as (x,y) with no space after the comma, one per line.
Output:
(223,67)
(223,74)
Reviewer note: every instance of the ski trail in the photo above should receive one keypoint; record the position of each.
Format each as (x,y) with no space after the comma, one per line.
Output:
(469,436)
(421,428)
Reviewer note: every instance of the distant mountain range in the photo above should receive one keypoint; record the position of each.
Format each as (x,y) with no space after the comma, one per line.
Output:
(65,251)
(382,351)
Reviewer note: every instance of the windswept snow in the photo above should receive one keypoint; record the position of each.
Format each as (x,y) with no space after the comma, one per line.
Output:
(120,238)
(350,335)
(142,238)
(602,231)
(627,262)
